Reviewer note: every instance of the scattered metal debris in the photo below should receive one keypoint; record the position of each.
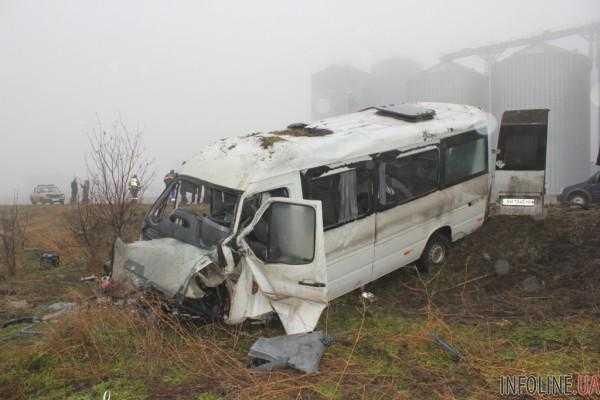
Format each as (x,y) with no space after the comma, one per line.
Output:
(301,351)
(56,310)
(455,354)
(49,259)
(22,320)
(91,278)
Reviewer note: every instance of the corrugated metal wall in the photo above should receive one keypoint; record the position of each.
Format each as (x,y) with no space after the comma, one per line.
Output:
(449,83)
(544,76)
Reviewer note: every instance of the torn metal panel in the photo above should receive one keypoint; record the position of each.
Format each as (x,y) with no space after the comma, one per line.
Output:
(165,264)
(300,351)
(247,300)
(297,290)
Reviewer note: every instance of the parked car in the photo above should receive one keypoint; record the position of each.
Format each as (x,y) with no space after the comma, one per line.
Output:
(287,221)
(47,194)
(582,194)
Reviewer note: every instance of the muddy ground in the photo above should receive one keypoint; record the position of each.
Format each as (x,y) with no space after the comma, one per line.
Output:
(538,316)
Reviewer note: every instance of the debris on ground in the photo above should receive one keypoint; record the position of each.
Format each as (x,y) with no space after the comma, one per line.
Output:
(455,354)
(487,257)
(90,278)
(49,259)
(22,320)
(57,310)
(54,307)
(532,284)
(105,283)
(302,351)
(502,267)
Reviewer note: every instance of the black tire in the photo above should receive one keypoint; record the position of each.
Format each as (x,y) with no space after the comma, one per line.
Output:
(435,253)
(578,199)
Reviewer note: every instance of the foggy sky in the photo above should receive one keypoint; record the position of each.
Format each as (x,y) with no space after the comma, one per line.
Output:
(191,72)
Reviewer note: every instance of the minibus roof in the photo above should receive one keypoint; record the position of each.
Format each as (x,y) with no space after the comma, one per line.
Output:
(236,162)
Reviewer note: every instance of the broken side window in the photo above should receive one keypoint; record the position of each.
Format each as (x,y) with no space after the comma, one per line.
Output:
(522,148)
(346,194)
(253,203)
(285,234)
(407,178)
(465,157)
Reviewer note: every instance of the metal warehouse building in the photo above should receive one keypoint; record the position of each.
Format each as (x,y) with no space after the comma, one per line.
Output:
(448,82)
(536,75)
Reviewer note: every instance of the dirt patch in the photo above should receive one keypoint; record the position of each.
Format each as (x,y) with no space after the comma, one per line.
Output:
(303,132)
(267,142)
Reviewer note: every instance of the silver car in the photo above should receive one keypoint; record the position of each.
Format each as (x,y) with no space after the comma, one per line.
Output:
(47,194)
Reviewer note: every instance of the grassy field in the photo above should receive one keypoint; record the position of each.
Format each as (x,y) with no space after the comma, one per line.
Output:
(384,349)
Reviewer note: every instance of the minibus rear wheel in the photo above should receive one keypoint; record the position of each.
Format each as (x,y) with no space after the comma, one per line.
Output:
(435,253)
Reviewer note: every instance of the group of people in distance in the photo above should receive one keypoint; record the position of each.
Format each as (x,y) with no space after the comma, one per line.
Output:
(85,191)
(134,186)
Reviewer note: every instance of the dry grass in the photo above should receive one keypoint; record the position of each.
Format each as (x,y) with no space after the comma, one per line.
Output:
(383,349)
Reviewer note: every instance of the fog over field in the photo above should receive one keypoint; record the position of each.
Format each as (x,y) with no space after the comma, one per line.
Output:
(189,72)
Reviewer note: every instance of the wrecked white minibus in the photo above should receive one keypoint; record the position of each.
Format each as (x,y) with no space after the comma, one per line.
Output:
(286,221)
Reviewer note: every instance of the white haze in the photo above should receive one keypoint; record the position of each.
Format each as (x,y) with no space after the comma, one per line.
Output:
(191,72)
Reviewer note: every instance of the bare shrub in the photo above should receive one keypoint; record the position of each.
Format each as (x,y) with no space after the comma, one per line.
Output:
(117,154)
(91,232)
(12,234)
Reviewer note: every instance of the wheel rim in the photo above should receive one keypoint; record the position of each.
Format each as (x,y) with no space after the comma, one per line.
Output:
(578,201)
(437,254)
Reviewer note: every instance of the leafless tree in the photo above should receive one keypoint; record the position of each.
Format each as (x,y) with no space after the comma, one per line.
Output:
(12,233)
(87,227)
(116,156)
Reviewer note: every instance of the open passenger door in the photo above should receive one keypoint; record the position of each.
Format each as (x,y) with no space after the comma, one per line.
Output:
(520,174)
(283,246)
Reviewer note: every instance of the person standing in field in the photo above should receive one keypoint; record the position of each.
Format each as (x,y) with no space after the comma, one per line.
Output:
(74,190)
(85,192)
(169,178)
(134,187)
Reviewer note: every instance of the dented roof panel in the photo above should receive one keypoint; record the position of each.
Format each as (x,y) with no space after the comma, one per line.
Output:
(239,161)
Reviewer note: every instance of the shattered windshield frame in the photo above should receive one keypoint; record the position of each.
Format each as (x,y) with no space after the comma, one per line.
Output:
(193,211)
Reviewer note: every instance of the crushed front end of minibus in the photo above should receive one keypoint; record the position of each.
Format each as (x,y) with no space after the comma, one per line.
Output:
(190,254)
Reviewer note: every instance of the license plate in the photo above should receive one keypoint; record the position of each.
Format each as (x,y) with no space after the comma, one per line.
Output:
(518,202)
